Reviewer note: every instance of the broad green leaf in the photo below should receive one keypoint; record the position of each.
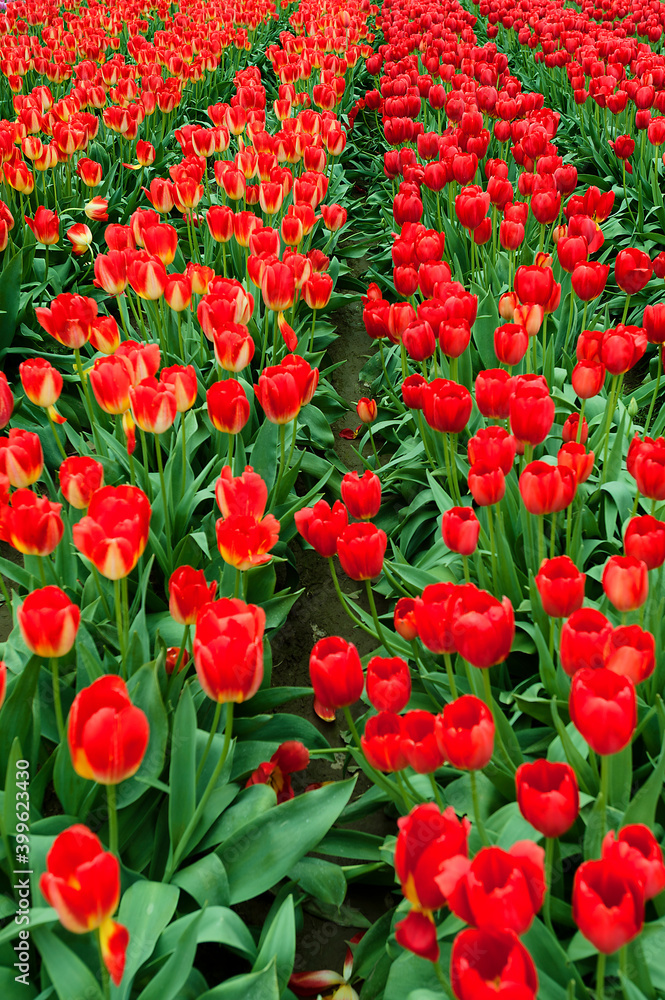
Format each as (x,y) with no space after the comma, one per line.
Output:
(278,942)
(182,775)
(642,808)
(71,978)
(261,853)
(17,710)
(257,985)
(176,969)
(321,879)
(217,924)
(10,989)
(205,881)
(145,910)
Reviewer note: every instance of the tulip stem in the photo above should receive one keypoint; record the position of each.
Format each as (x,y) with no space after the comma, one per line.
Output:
(113,819)
(57,704)
(42,571)
(184,454)
(442,979)
(120,625)
(88,401)
(183,648)
(352,726)
(377,624)
(146,463)
(553,535)
(354,618)
(600,976)
(311,332)
(465,564)
(165,496)
(229,454)
(389,386)
(214,777)
(451,675)
(656,390)
(213,730)
(604,789)
(476,809)
(578,436)
(106,988)
(495,570)
(611,403)
(280,473)
(549,857)
(55,435)
(437,793)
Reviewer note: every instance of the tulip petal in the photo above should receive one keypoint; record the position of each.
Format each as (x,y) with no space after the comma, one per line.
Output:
(114,939)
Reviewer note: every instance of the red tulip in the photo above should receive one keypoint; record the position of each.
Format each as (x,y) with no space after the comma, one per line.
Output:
(531,409)
(234,347)
(322,525)
(603,709)
(111,383)
(626,582)
(494,387)
(608,905)
(228,406)
(181,380)
(465,733)
(31,524)
(361,548)
(483,627)
(585,639)
(388,683)
(491,963)
(282,390)
(153,405)
(45,226)
(534,284)
(189,591)
(428,841)
(576,458)
(432,612)
(548,796)
(561,586)
(336,672)
(114,533)
(41,382)
(419,742)
(82,883)
(632,653)
(21,457)
(404,618)
(645,539)
(546,488)
(589,279)
(69,319)
(362,495)
(381,742)
(487,483)
(460,529)
(492,447)
(288,758)
(107,735)
(502,890)
(637,854)
(632,270)
(647,465)
(6,401)
(588,378)
(447,405)
(621,347)
(510,343)
(228,649)
(243,541)
(49,622)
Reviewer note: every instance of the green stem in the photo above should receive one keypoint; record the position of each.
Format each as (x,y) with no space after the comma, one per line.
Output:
(125,611)
(553,535)
(120,625)
(183,647)
(57,704)
(343,601)
(55,435)
(165,496)
(437,793)
(476,809)
(549,857)
(451,675)
(656,390)
(490,521)
(282,457)
(113,819)
(106,987)
(352,727)
(98,581)
(375,617)
(88,402)
(611,403)
(311,332)
(146,464)
(600,976)
(213,731)
(441,976)
(214,777)
(604,789)
(184,454)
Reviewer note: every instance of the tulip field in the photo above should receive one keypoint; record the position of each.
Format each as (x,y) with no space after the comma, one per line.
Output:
(332,500)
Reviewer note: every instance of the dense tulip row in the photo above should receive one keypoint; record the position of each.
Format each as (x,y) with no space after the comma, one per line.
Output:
(508,714)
